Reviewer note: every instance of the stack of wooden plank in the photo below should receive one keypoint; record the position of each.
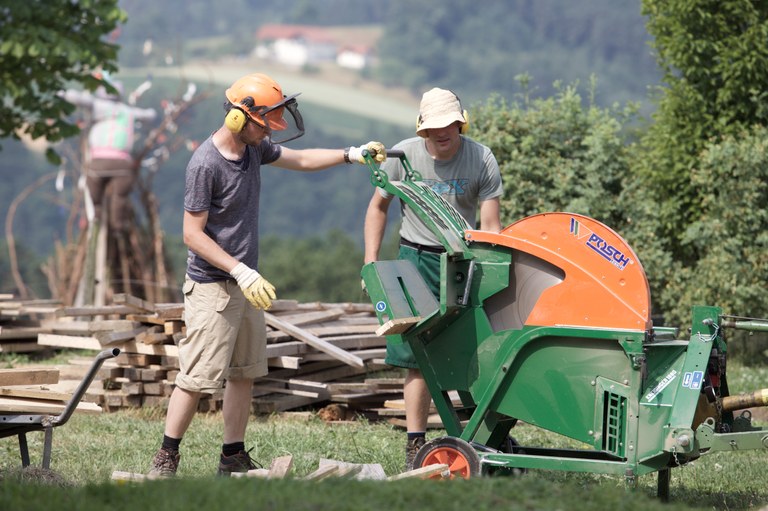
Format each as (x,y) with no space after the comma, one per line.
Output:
(318,354)
(36,391)
(19,325)
(309,345)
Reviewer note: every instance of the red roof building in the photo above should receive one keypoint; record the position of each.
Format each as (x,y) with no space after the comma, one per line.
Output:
(301,45)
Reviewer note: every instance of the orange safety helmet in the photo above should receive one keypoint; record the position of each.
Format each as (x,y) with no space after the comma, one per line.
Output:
(261,98)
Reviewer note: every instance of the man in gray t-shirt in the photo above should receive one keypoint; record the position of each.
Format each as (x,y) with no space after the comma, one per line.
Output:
(465,173)
(224,294)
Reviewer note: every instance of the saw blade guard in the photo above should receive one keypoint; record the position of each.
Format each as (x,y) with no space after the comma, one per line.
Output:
(583,274)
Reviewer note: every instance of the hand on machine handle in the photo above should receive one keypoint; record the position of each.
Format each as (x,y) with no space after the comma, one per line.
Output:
(376,149)
(256,288)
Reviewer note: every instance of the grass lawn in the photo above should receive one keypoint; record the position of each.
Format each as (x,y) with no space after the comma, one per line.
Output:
(89,448)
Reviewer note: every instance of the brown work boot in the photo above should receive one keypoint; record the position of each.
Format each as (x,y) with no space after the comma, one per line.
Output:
(164,464)
(411,448)
(240,462)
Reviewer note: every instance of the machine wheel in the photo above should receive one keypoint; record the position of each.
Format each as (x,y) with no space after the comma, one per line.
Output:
(508,446)
(461,458)
(511,446)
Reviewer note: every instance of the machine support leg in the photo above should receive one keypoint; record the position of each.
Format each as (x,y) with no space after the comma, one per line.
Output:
(47,445)
(662,488)
(23,450)
(630,479)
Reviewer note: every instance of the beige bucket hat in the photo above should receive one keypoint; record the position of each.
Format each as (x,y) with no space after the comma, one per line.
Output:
(439,108)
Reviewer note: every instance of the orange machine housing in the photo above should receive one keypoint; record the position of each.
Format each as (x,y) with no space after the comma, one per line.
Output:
(605,285)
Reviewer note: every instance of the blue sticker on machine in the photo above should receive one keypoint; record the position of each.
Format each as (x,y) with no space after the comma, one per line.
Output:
(607,251)
(381,306)
(693,380)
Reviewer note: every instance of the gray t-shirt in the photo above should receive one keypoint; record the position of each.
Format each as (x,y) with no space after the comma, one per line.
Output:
(471,176)
(229,191)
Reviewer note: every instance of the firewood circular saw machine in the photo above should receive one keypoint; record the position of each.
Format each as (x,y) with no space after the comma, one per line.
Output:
(548,322)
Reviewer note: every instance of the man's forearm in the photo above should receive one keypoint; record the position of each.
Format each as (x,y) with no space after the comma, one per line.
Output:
(373,234)
(202,245)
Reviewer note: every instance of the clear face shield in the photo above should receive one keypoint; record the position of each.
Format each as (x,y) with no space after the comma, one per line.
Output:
(283,119)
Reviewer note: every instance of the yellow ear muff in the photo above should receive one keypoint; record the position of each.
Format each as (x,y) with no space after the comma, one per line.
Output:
(464,127)
(235,120)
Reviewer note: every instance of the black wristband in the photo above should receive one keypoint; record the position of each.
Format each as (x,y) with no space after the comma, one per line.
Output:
(346,155)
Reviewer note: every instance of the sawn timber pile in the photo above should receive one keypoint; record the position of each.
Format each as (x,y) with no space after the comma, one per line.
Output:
(318,354)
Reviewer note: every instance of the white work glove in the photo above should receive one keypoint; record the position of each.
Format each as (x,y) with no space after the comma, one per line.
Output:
(256,288)
(376,149)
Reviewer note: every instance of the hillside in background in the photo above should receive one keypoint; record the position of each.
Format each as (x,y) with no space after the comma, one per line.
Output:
(473,48)
(293,204)
(474,51)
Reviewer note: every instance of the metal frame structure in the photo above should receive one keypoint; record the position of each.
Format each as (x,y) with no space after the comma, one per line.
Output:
(548,322)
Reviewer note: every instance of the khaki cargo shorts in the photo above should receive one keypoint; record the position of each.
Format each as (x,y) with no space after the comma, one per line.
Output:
(226,337)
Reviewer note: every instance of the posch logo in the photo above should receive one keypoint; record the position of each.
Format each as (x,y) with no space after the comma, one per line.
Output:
(607,251)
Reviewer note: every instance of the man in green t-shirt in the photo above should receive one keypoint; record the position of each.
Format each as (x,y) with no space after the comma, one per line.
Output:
(465,173)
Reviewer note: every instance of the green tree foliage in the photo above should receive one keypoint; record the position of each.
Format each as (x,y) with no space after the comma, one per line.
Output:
(44,48)
(317,268)
(715,62)
(29,266)
(732,232)
(476,49)
(555,154)
(184,29)
(472,48)
(332,12)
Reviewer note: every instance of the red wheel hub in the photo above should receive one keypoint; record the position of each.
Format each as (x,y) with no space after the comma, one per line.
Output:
(458,464)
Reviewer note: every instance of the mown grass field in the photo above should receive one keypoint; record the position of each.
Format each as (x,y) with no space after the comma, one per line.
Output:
(90,447)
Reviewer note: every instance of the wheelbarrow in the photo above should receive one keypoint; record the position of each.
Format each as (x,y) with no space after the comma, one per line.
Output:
(20,424)
(548,322)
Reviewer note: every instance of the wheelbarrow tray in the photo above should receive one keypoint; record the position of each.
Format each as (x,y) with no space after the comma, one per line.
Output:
(19,424)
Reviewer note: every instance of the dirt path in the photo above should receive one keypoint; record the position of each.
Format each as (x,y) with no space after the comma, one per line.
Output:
(329,86)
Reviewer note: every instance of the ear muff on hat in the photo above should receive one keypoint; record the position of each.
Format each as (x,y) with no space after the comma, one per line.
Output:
(464,129)
(465,125)
(235,120)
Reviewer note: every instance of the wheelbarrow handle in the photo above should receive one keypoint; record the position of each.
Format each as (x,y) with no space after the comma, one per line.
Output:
(69,409)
